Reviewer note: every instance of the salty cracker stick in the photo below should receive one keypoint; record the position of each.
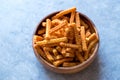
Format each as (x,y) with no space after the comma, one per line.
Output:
(91,37)
(59,62)
(48,26)
(41,31)
(69,55)
(62,30)
(52,41)
(69,64)
(71,34)
(58,48)
(56,22)
(63,51)
(53,37)
(58,34)
(69,50)
(39,51)
(84,44)
(74,46)
(79,56)
(72,17)
(62,24)
(67,32)
(50,45)
(48,49)
(64,12)
(92,44)
(77,19)
(69,45)
(65,18)
(59,57)
(55,52)
(88,33)
(77,37)
(37,38)
(78,29)
(44,24)
(49,56)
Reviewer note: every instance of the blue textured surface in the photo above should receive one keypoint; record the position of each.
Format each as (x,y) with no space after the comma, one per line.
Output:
(18,20)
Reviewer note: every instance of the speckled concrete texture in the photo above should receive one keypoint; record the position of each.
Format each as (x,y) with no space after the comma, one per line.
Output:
(18,20)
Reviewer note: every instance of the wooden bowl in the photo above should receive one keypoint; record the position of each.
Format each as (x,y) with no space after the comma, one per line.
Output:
(74,69)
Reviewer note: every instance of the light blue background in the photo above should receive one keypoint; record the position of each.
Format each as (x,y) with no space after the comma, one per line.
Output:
(18,20)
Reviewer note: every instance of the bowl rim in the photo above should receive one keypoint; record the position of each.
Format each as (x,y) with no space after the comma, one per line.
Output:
(73,67)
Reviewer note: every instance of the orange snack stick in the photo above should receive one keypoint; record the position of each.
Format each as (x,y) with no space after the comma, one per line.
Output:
(53,37)
(58,57)
(74,46)
(72,17)
(79,57)
(67,32)
(77,36)
(88,33)
(48,26)
(37,38)
(84,44)
(60,14)
(44,24)
(62,31)
(92,44)
(61,25)
(58,48)
(59,62)
(69,50)
(77,19)
(40,51)
(58,34)
(49,56)
(63,51)
(48,49)
(53,22)
(41,31)
(71,32)
(65,18)
(55,52)
(56,22)
(52,41)
(50,45)
(91,37)
(78,29)
(69,55)
(69,64)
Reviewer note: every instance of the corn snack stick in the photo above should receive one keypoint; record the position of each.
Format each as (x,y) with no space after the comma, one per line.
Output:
(52,41)
(63,12)
(84,44)
(59,62)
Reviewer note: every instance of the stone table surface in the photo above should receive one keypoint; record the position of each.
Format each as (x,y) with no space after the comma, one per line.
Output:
(18,20)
